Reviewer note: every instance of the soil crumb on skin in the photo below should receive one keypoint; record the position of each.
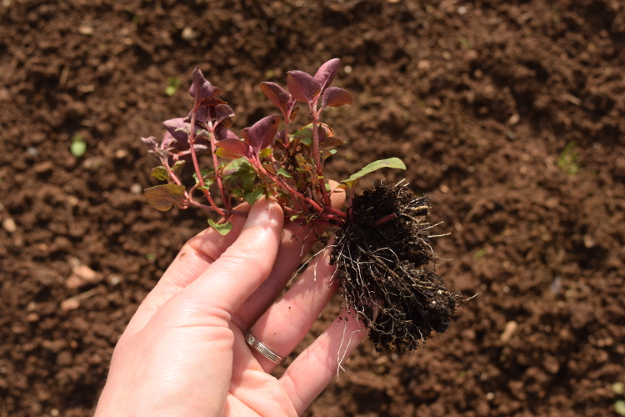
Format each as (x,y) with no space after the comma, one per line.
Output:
(385,266)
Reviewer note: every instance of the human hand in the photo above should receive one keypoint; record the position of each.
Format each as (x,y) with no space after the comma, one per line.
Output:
(184,352)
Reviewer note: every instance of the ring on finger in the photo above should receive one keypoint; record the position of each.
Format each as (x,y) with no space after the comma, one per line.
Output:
(263,350)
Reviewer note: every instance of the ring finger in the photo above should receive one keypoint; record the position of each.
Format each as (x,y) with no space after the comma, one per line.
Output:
(282,327)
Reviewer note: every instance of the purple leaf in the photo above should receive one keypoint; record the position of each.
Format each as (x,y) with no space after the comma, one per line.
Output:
(321,133)
(199,148)
(280,140)
(200,117)
(223,112)
(302,86)
(326,73)
(293,109)
(176,138)
(278,95)
(201,89)
(261,134)
(336,97)
(150,142)
(332,142)
(178,129)
(222,133)
(169,141)
(233,149)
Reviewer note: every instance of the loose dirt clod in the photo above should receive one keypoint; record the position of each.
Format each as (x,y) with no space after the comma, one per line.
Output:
(385,266)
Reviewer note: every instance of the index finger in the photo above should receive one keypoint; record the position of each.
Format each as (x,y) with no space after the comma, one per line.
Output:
(193,259)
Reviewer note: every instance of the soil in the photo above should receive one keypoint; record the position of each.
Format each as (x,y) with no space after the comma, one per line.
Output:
(480,100)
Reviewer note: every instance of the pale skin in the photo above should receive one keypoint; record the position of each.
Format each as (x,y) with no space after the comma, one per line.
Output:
(184,353)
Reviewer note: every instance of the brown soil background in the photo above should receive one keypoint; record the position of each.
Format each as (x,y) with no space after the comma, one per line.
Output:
(478,98)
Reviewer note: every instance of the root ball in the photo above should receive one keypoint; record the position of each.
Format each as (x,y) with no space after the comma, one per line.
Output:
(385,266)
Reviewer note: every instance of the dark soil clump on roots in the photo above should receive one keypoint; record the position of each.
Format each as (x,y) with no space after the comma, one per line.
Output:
(385,266)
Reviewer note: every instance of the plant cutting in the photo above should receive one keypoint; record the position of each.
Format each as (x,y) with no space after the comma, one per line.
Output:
(384,262)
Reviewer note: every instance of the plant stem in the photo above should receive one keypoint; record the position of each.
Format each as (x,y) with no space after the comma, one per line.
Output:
(350,201)
(172,176)
(290,189)
(196,165)
(317,157)
(220,185)
(204,206)
(384,219)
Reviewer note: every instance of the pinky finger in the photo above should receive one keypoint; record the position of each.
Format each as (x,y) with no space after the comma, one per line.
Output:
(318,364)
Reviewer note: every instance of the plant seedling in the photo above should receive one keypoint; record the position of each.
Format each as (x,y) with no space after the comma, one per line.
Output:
(381,251)
(173,83)
(78,146)
(567,161)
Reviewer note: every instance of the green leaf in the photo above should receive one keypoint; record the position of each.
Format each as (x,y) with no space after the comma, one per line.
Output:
(160,173)
(170,90)
(252,196)
(78,147)
(172,87)
(619,407)
(464,41)
(304,135)
(284,173)
(479,254)
(177,168)
(164,197)
(208,175)
(222,228)
(374,166)
(567,161)
(239,173)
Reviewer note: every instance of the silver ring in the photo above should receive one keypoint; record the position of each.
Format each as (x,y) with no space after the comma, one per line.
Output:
(263,350)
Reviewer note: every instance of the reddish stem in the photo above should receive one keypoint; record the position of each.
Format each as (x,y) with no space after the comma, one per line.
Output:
(173,176)
(220,185)
(385,219)
(196,165)
(204,206)
(320,180)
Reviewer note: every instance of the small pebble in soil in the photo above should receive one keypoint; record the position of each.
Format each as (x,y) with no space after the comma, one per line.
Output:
(136,189)
(509,330)
(86,30)
(9,225)
(32,317)
(86,273)
(188,34)
(70,304)
(121,153)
